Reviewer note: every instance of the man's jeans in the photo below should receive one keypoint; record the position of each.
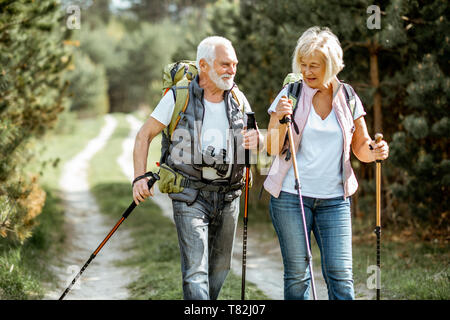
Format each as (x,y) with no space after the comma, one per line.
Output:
(330,221)
(206,231)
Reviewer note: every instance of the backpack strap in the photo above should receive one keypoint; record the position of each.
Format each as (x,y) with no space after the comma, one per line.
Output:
(235,97)
(294,90)
(350,98)
(181,96)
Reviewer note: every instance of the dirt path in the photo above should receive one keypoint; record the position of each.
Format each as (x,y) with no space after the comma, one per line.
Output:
(264,266)
(102,280)
(125,162)
(87,227)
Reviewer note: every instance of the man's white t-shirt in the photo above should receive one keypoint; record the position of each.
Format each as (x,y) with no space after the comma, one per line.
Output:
(215,129)
(319,158)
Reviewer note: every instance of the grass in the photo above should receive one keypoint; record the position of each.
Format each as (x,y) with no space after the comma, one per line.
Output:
(24,267)
(155,247)
(411,269)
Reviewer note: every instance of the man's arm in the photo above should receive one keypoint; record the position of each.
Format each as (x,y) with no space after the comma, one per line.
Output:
(149,130)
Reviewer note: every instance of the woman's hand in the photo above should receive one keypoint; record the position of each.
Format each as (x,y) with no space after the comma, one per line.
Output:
(380,150)
(283,108)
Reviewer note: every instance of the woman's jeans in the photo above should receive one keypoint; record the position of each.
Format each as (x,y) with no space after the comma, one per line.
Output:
(206,231)
(330,221)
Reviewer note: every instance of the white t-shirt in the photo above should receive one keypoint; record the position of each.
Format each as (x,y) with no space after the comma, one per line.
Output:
(215,129)
(319,158)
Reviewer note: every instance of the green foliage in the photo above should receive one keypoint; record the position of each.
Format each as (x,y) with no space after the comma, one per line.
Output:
(156,10)
(411,48)
(32,58)
(88,87)
(132,60)
(24,267)
(421,148)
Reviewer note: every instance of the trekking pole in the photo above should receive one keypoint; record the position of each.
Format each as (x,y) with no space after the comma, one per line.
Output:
(377,230)
(288,121)
(153,178)
(251,125)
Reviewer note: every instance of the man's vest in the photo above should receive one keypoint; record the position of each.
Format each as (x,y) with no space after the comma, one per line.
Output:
(181,154)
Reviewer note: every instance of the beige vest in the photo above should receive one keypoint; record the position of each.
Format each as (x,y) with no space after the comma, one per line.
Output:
(280,166)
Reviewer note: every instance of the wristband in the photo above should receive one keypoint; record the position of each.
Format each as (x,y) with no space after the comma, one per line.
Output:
(148,174)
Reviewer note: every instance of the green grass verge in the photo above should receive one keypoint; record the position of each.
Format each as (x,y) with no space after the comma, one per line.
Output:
(155,249)
(410,269)
(24,268)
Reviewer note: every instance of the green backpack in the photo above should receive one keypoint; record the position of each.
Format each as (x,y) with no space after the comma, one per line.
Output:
(176,77)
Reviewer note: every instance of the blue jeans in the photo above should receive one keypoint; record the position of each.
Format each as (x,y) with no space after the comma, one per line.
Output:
(206,231)
(330,221)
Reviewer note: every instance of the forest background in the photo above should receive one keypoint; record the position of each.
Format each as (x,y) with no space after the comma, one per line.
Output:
(66,60)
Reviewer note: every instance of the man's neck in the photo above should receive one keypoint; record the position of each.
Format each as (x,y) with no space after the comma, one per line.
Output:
(210,90)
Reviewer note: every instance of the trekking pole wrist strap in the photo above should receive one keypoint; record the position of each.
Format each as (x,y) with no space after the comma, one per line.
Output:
(285,120)
(148,174)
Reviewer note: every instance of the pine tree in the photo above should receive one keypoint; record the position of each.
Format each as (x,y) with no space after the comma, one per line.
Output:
(398,69)
(32,57)
(421,145)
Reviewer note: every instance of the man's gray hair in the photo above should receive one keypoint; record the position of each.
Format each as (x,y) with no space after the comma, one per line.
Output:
(207,49)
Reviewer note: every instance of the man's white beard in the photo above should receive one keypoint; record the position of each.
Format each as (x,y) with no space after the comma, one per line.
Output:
(223,82)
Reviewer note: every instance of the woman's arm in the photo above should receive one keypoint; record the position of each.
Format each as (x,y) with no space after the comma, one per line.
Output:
(276,131)
(361,143)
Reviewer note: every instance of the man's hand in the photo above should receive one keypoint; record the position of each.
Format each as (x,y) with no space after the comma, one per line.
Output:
(252,139)
(141,191)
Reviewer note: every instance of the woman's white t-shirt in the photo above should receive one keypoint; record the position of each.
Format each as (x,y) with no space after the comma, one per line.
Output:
(319,158)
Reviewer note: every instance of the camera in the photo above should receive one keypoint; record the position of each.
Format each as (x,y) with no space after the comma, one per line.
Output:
(216,161)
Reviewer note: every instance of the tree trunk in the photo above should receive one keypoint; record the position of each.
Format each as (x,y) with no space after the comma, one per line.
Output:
(375,82)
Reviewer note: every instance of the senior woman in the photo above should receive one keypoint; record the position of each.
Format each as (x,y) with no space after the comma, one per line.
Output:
(327,132)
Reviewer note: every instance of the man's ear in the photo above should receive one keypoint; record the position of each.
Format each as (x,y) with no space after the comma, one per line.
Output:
(204,66)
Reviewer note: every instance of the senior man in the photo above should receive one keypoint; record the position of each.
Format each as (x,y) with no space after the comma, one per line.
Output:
(206,208)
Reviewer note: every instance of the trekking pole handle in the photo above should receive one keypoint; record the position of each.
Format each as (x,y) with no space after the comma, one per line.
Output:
(378,138)
(153,178)
(251,125)
(251,121)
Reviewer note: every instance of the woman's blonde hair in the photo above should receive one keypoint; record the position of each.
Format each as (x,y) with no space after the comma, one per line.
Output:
(322,40)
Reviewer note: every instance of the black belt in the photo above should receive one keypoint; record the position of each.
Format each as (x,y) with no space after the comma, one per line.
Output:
(213,186)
